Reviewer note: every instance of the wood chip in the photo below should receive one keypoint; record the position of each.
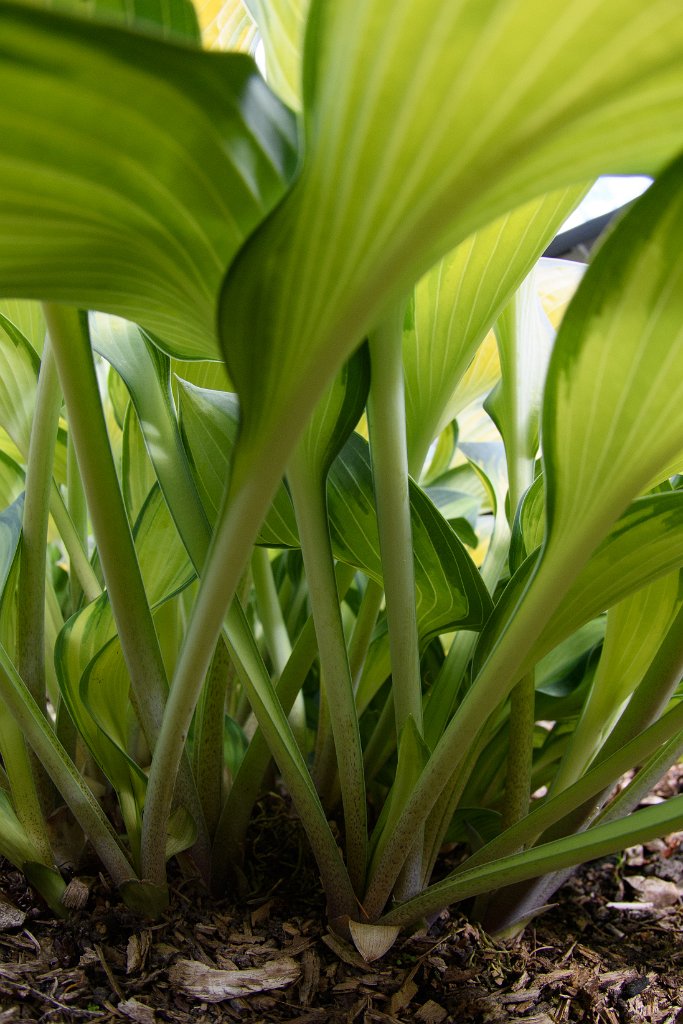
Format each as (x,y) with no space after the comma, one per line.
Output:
(10,916)
(431,1013)
(403,996)
(310,962)
(137,951)
(211,985)
(137,1011)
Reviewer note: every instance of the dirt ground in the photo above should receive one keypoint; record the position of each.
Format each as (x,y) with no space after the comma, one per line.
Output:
(610,951)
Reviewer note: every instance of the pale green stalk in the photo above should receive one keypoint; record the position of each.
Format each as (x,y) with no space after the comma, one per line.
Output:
(235,535)
(493,684)
(275,631)
(556,856)
(135,626)
(210,729)
(110,525)
(269,610)
(30,629)
(79,563)
(78,512)
(308,496)
(387,430)
(389,451)
(30,625)
(363,628)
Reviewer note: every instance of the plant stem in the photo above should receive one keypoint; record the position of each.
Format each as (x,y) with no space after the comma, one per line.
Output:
(359,643)
(275,631)
(389,451)
(75,547)
(139,641)
(110,524)
(387,429)
(235,534)
(310,506)
(78,511)
(270,613)
(520,750)
(30,629)
(210,727)
(500,672)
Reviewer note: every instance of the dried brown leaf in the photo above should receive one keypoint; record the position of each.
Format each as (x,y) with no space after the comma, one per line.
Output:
(656,891)
(372,940)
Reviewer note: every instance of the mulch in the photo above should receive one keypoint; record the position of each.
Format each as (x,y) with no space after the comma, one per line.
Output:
(609,951)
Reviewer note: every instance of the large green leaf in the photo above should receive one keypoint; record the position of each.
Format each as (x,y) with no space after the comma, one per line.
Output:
(449,588)
(209,422)
(281,24)
(645,543)
(92,675)
(614,407)
(411,145)
(131,169)
(613,413)
(174,20)
(636,628)
(458,301)
(12,478)
(595,842)
(450,591)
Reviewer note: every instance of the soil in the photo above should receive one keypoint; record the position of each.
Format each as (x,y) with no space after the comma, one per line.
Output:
(609,951)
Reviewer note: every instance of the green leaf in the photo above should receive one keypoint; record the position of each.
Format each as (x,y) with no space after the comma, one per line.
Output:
(449,588)
(458,301)
(401,167)
(336,415)
(10,532)
(613,414)
(528,528)
(645,543)
(525,340)
(11,480)
(174,20)
(281,24)
(99,704)
(132,170)
(28,318)
(599,841)
(137,472)
(19,368)
(92,674)
(209,421)
(636,628)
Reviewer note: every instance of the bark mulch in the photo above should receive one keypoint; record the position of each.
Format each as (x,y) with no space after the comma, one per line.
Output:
(610,951)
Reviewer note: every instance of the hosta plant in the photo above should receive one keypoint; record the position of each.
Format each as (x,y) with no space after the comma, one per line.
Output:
(295,468)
